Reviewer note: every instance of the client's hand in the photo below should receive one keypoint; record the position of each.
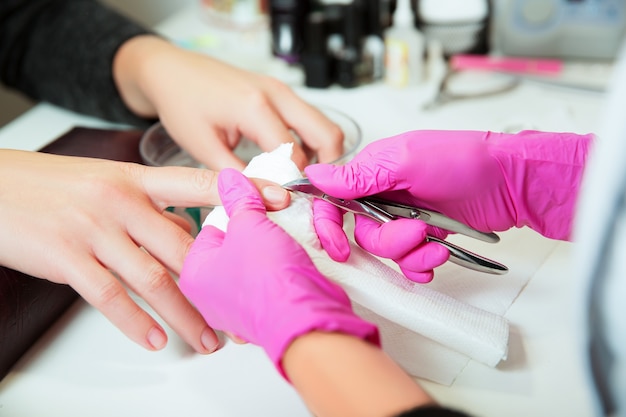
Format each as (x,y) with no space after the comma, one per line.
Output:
(256,283)
(208,105)
(101,227)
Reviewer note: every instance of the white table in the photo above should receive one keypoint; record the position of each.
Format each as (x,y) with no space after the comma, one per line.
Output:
(85,367)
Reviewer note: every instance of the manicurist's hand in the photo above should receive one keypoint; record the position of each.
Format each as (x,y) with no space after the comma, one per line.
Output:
(258,284)
(207,105)
(489,181)
(101,227)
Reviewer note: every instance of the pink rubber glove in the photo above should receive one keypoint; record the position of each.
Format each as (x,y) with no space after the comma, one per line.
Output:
(490,181)
(259,284)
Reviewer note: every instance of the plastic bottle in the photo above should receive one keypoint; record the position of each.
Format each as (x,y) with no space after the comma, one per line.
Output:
(404,46)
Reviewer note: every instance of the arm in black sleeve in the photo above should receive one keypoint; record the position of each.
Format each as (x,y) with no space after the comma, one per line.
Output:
(62,51)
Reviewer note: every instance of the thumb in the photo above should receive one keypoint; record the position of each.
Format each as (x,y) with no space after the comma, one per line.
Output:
(238,193)
(352,180)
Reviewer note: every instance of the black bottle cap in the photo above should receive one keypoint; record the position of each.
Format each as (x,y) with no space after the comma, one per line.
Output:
(333,14)
(286,4)
(347,73)
(315,35)
(287,23)
(317,70)
(352,24)
(374,18)
(315,59)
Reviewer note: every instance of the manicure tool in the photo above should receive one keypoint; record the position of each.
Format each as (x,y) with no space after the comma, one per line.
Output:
(384,211)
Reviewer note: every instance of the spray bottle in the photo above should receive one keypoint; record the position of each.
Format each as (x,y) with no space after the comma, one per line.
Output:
(404,46)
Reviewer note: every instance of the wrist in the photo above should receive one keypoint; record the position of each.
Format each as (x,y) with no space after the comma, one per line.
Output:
(543,173)
(131,72)
(342,375)
(323,319)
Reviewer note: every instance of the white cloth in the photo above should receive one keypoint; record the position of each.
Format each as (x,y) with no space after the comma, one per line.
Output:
(428,329)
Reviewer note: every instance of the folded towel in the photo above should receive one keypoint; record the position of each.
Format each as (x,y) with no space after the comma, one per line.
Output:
(429,333)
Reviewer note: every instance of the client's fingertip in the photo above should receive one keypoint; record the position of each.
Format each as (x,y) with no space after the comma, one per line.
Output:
(156,338)
(210,341)
(275,197)
(235,338)
(299,157)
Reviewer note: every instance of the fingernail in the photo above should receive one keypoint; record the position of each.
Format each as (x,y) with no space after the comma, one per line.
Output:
(274,194)
(157,338)
(209,340)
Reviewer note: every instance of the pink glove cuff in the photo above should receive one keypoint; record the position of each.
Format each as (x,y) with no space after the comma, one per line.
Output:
(543,172)
(346,323)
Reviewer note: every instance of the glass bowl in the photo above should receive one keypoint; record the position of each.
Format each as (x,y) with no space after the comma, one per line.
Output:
(157,148)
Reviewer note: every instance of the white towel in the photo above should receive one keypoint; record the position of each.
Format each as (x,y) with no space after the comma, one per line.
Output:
(429,333)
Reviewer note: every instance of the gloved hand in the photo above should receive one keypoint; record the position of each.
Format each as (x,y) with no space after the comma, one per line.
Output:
(257,283)
(489,181)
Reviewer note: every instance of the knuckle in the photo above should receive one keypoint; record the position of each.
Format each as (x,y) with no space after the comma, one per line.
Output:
(185,243)
(277,86)
(157,279)
(132,170)
(257,99)
(136,314)
(181,244)
(115,187)
(335,135)
(108,295)
(204,180)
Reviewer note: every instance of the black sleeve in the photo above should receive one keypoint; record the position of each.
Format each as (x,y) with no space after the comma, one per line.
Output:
(432,411)
(61,51)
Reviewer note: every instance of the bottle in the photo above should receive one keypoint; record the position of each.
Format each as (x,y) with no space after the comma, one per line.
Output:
(404,48)
(287,18)
(436,66)
(374,45)
(349,57)
(315,59)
